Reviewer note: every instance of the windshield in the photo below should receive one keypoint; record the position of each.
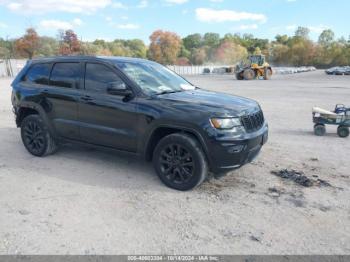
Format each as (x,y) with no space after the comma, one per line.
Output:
(154,78)
(257,60)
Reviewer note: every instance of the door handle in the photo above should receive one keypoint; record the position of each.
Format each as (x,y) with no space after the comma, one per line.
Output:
(86,98)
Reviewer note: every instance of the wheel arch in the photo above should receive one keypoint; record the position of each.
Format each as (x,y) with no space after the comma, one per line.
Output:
(23,112)
(161,131)
(26,108)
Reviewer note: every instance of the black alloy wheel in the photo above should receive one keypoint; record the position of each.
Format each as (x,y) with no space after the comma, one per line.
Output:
(180,161)
(36,137)
(176,164)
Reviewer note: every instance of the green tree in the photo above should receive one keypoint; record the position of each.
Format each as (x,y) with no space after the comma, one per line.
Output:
(137,48)
(118,48)
(211,39)
(251,43)
(236,38)
(184,52)
(100,42)
(199,56)
(192,41)
(302,32)
(89,48)
(4,52)
(301,53)
(326,38)
(5,48)
(280,54)
(48,46)
(282,39)
(230,53)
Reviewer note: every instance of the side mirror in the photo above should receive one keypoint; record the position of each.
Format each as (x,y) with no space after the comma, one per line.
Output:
(118,89)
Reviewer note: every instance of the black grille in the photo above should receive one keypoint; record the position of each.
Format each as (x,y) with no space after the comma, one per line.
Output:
(253,122)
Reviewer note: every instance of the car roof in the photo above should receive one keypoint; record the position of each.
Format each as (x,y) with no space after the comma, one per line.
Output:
(111,59)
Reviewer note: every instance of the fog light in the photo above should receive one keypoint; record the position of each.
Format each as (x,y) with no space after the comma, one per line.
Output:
(235,149)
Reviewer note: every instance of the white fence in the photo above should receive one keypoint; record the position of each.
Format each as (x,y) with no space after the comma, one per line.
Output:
(222,69)
(197,70)
(11,67)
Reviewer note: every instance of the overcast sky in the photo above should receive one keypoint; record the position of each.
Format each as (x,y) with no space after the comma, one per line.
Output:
(109,19)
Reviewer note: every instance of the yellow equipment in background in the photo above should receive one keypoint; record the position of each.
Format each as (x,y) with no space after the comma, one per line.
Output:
(254,67)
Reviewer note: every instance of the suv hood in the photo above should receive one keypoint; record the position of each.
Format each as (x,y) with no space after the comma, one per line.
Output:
(219,103)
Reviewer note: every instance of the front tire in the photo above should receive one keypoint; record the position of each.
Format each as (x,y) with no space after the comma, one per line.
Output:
(343,131)
(320,130)
(249,74)
(180,162)
(36,136)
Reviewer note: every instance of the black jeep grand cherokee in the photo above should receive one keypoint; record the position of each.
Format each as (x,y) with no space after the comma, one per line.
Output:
(140,107)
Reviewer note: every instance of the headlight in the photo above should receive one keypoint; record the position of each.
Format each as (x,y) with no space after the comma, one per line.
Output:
(225,123)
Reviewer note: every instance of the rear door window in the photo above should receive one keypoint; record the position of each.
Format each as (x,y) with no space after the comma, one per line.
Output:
(98,77)
(38,74)
(65,75)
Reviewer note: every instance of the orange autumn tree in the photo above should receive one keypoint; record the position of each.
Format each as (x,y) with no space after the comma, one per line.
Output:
(165,47)
(69,43)
(28,44)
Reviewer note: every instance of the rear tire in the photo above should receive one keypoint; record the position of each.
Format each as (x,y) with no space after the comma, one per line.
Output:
(249,74)
(180,162)
(267,74)
(36,136)
(239,76)
(343,131)
(320,129)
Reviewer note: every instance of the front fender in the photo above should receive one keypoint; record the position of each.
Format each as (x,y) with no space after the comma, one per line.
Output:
(181,128)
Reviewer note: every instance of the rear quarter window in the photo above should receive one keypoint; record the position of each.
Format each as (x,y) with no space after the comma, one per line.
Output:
(38,74)
(65,75)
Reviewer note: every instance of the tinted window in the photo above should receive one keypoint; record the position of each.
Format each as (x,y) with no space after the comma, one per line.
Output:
(38,74)
(65,75)
(98,76)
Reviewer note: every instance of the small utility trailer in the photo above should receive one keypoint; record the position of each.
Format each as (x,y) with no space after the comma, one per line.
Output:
(340,117)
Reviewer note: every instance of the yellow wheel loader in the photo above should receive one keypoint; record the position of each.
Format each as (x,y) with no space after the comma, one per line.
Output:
(254,67)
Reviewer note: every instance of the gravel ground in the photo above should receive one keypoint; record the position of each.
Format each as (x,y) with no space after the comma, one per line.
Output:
(84,201)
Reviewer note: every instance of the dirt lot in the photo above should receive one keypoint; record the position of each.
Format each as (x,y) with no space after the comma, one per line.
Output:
(82,201)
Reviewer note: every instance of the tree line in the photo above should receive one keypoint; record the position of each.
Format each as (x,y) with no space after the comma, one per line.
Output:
(195,49)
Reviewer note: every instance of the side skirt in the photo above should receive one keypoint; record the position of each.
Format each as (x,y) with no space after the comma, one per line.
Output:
(65,141)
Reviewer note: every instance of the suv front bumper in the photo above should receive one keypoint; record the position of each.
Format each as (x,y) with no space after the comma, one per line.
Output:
(226,155)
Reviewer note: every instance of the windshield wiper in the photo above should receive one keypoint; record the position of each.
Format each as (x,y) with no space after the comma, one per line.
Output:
(169,92)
